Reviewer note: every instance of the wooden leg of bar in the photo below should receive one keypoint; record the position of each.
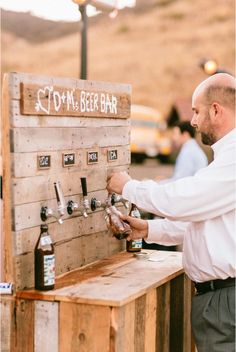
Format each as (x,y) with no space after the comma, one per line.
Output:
(24,326)
(84,327)
(163,318)
(122,333)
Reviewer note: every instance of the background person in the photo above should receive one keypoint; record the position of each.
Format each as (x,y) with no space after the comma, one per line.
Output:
(200,212)
(191,157)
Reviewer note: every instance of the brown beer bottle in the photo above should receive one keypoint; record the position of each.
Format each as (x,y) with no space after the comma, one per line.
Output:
(120,229)
(134,245)
(44,260)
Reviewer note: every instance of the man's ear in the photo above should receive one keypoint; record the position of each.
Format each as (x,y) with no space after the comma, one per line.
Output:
(216,110)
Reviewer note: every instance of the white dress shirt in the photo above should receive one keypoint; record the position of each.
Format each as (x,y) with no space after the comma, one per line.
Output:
(198,210)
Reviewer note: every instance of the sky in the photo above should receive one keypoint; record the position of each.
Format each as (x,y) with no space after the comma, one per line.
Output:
(64,10)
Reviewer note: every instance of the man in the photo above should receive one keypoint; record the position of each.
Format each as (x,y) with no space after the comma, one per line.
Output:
(200,211)
(191,157)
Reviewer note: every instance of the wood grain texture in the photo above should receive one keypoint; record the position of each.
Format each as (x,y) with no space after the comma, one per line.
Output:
(19,120)
(163,318)
(48,139)
(25,164)
(122,331)
(24,326)
(84,328)
(7,258)
(56,100)
(151,321)
(177,314)
(7,323)
(46,327)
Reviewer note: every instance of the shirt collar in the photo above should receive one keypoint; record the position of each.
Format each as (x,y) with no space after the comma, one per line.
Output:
(229,137)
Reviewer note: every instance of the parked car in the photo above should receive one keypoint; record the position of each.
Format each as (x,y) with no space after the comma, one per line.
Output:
(149,135)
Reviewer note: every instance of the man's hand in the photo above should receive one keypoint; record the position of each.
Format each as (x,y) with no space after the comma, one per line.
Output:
(139,227)
(116,182)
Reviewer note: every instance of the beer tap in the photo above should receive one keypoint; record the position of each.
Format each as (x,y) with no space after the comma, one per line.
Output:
(120,199)
(99,204)
(84,207)
(46,212)
(60,199)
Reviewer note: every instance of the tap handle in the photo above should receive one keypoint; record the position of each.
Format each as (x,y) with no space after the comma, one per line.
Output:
(113,199)
(84,186)
(57,192)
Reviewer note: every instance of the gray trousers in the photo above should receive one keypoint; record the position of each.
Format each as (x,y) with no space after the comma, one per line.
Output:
(213,320)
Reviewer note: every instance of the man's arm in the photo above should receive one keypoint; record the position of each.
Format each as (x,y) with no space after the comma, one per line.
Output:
(161,231)
(207,194)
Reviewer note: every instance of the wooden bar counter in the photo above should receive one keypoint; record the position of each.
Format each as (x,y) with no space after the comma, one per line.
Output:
(117,304)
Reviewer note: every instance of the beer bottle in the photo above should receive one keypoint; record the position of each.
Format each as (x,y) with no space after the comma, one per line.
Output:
(44,260)
(134,245)
(119,228)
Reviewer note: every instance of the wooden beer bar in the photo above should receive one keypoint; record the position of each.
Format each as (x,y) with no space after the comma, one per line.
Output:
(105,299)
(119,304)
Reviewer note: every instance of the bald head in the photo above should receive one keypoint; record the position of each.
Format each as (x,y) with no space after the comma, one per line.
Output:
(219,88)
(213,105)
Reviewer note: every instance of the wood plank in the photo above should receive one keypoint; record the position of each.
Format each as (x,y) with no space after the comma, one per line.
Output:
(103,267)
(70,254)
(150,321)
(60,100)
(94,247)
(188,343)
(84,328)
(122,331)
(8,274)
(69,82)
(25,164)
(33,211)
(123,284)
(7,309)
(163,318)
(21,221)
(46,139)
(140,310)
(25,240)
(46,327)
(24,188)
(177,314)
(25,326)
(18,120)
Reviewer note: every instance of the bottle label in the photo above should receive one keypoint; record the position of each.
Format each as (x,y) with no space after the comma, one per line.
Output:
(135,214)
(49,269)
(45,240)
(136,244)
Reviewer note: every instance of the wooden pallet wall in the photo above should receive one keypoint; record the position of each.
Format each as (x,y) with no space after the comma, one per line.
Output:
(48,116)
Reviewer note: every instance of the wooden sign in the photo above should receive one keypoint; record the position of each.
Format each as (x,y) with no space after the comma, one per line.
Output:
(112,155)
(92,157)
(53,100)
(68,159)
(44,161)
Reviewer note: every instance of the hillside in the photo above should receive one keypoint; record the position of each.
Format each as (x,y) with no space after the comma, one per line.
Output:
(155,47)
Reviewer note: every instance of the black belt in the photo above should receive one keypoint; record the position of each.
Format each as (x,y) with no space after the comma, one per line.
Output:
(212,285)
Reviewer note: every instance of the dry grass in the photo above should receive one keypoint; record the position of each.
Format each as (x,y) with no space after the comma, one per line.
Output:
(157,51)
